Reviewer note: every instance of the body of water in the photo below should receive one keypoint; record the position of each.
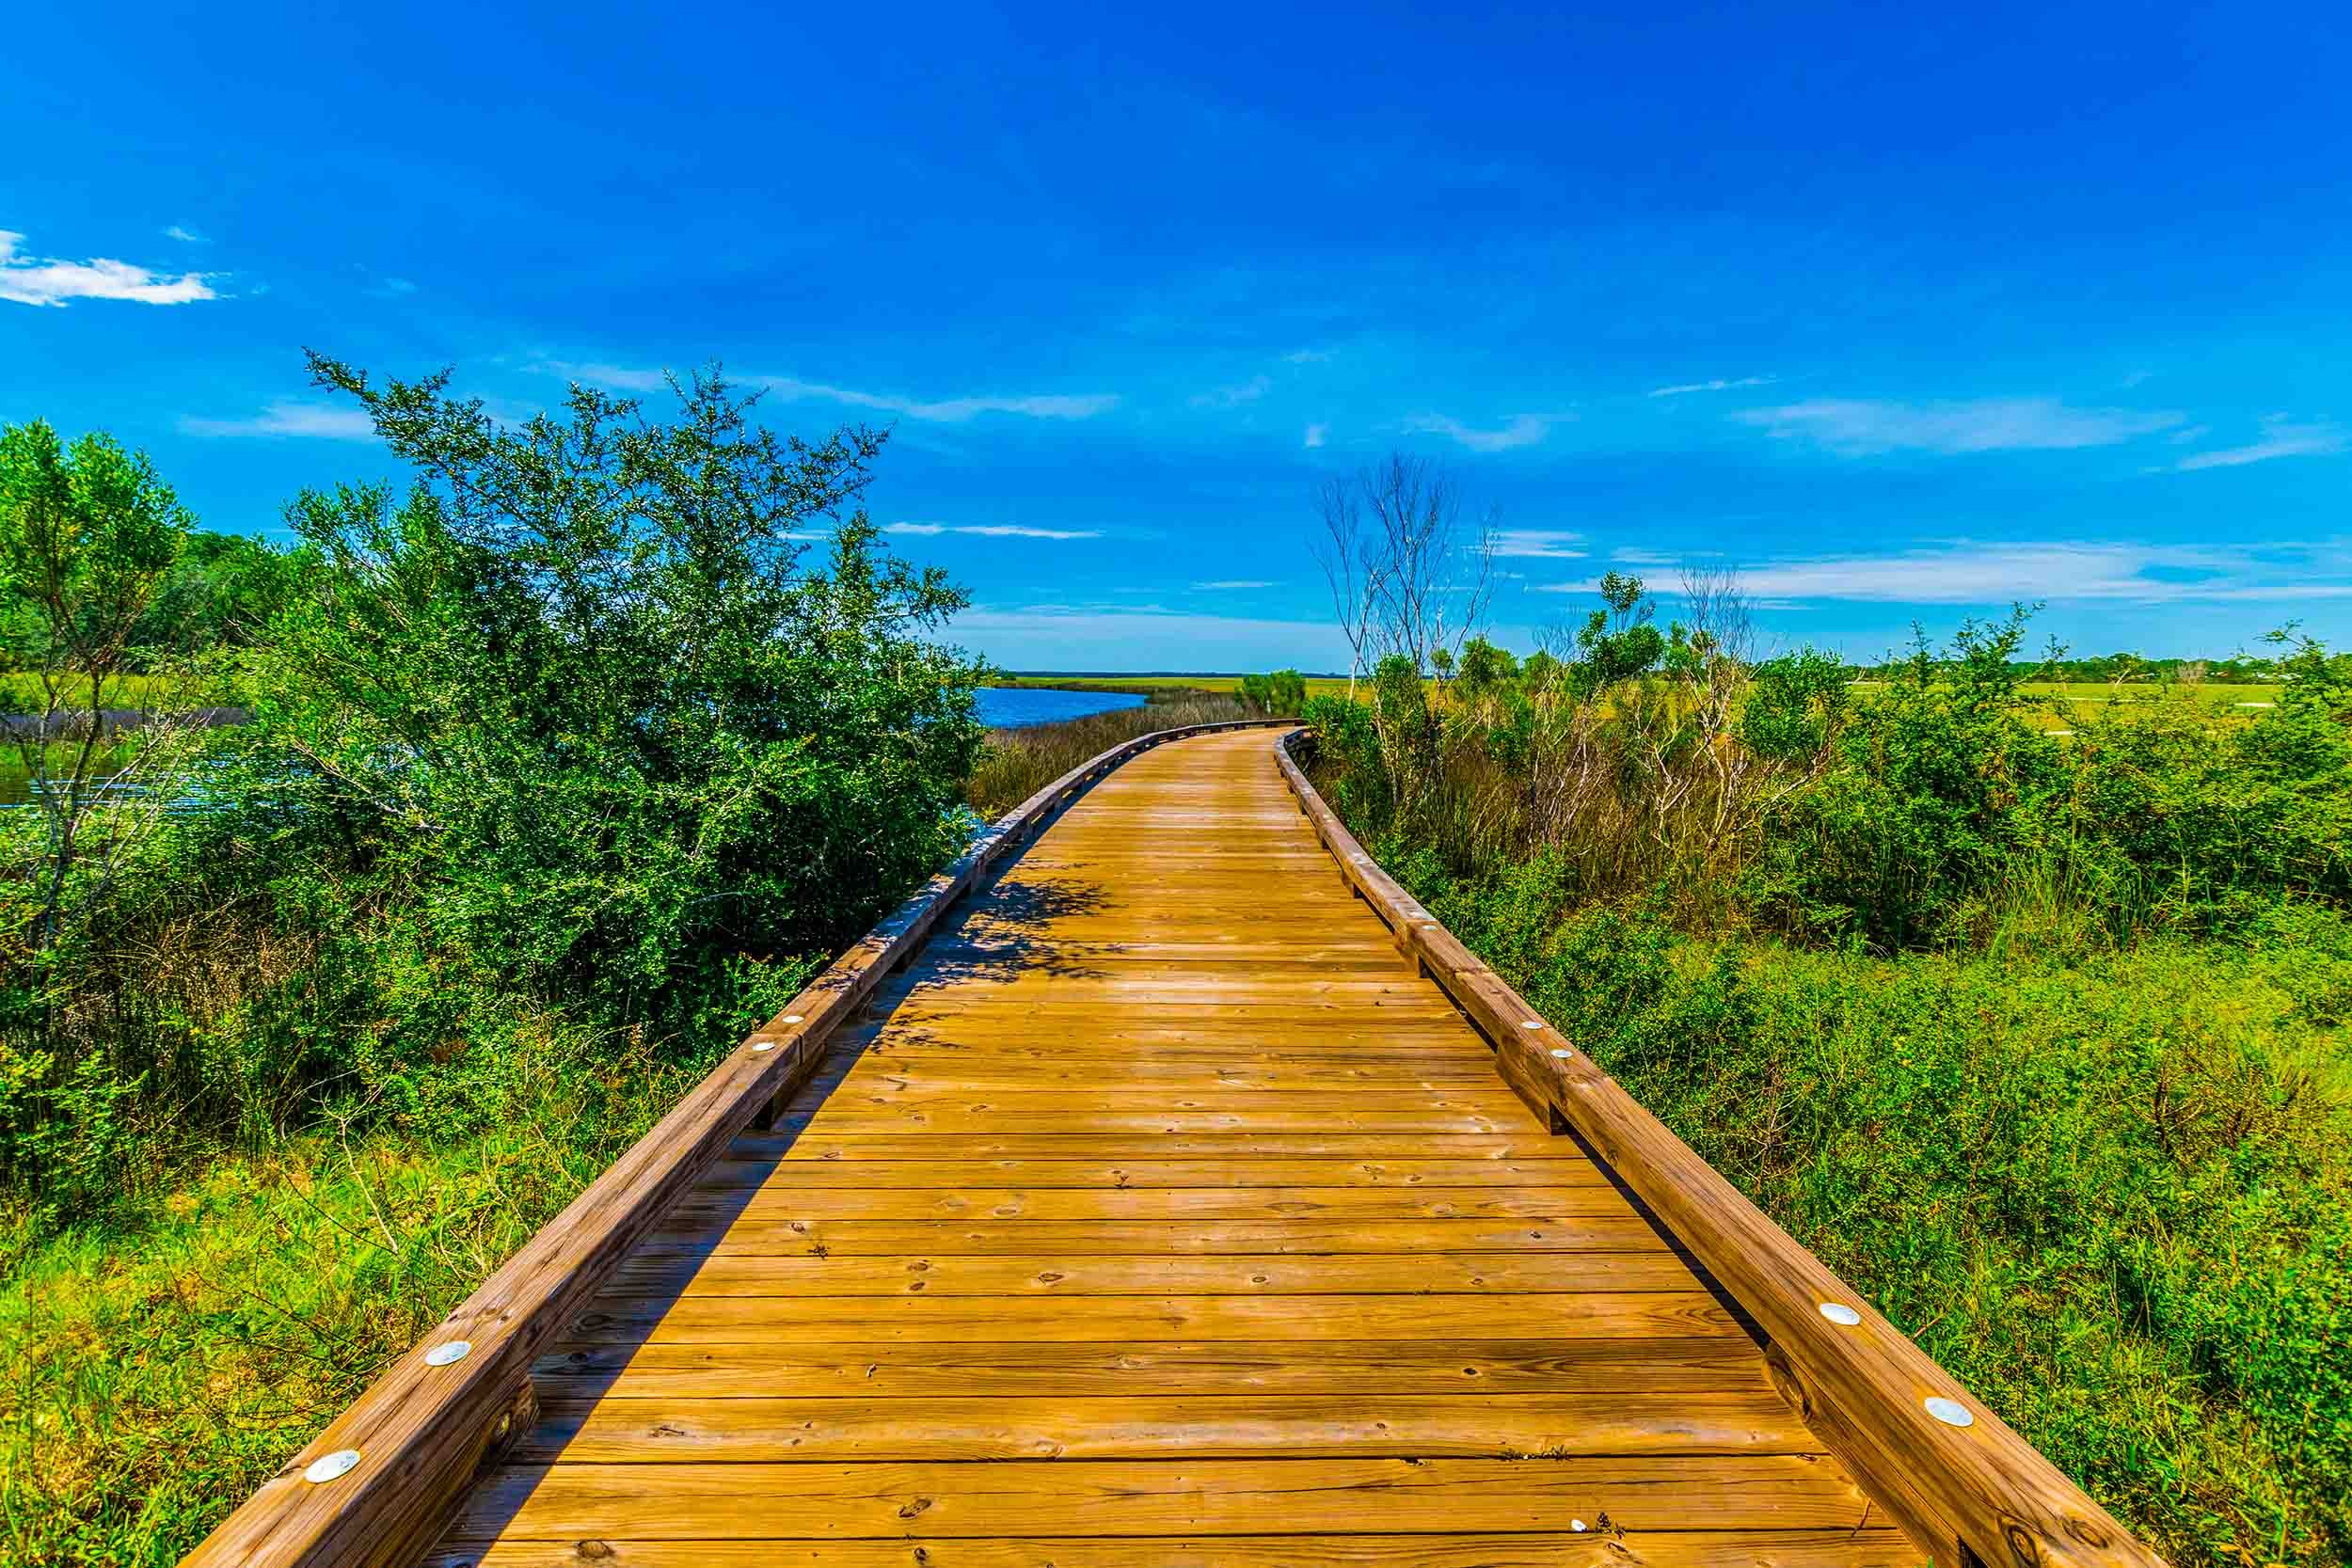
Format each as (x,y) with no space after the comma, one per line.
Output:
(1013,708)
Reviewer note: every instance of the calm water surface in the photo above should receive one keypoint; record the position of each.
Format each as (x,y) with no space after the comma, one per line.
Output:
(1012,708)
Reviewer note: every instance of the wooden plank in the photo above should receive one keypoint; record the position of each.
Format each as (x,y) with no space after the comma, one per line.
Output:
(616,1429)
(1240,1149)
(1411,1274)
(1975,1487)
(849,1202)
(926,1238)
(1130,1498)
(1270,1369)
(794,1175)
(926,1319)
(1592,1548)
(836,1120)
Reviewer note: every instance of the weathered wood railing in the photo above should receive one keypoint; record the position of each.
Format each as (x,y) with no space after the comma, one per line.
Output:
(376,1488)
(1963,1486)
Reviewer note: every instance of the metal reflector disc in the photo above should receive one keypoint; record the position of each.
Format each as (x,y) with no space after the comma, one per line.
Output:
(1838,1312)
(763,1045)
(1950,1412)
(448,1353)
(341,1463)
(791,1018)
(1562,1050)
(1532,1024)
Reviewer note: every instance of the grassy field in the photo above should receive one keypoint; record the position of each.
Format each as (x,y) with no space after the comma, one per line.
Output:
(2048,700)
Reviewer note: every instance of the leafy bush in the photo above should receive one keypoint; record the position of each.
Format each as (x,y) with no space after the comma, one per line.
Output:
(1280,694)
(575,724)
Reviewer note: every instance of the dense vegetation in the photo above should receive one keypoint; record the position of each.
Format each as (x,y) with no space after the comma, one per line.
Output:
(2038,1039)
(567,761)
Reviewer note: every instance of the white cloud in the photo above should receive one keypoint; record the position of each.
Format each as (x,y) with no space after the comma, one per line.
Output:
(1306,356)
(2281,438)
(992,531)
(1966,572)
(35,281)
(1233,397)
(1232,585)
(1548,543)
(396,286)
(628,378)
(327,420)
(613,378)
(948,410)
(1524,431)
(1315,436)
(185,235)
(1690,387)
(1856,427)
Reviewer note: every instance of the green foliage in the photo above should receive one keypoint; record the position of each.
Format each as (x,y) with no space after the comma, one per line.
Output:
(581,694)
(1282,695)
(87,535)
(1617,641)
(575,724)
(170,1358)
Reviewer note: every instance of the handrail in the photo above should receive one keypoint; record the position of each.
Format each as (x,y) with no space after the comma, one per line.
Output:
(1962,1484)
(374,1489)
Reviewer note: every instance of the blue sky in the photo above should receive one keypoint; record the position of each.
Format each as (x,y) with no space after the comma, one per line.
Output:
(1906,313)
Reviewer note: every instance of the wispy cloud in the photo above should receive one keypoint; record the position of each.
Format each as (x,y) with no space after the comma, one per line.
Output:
(1233,397)
(992,531)
(36,281)
(185,235)
(1307,356)
(1690,387)
(1317,434)
(1524,431)
(1230,585)
(945,410)
(1962,572)
(1545,544)
(325,420)
(2281,438)
(394,287)
(613,378)
(1857,427)
(633,378)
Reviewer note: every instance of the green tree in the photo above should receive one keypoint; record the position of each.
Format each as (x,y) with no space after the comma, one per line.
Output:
(87,535)
(583,694)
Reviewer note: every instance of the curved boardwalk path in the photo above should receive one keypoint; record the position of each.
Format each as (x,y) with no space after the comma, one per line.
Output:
(1161,1216)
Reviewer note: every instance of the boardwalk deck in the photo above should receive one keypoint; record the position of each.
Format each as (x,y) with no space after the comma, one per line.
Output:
(1162,1215)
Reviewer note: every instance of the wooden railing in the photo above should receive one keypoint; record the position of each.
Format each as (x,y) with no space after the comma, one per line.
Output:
(1963,1486)
(376,1488)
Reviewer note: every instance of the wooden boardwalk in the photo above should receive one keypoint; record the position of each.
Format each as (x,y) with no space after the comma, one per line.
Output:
(1162,1214)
